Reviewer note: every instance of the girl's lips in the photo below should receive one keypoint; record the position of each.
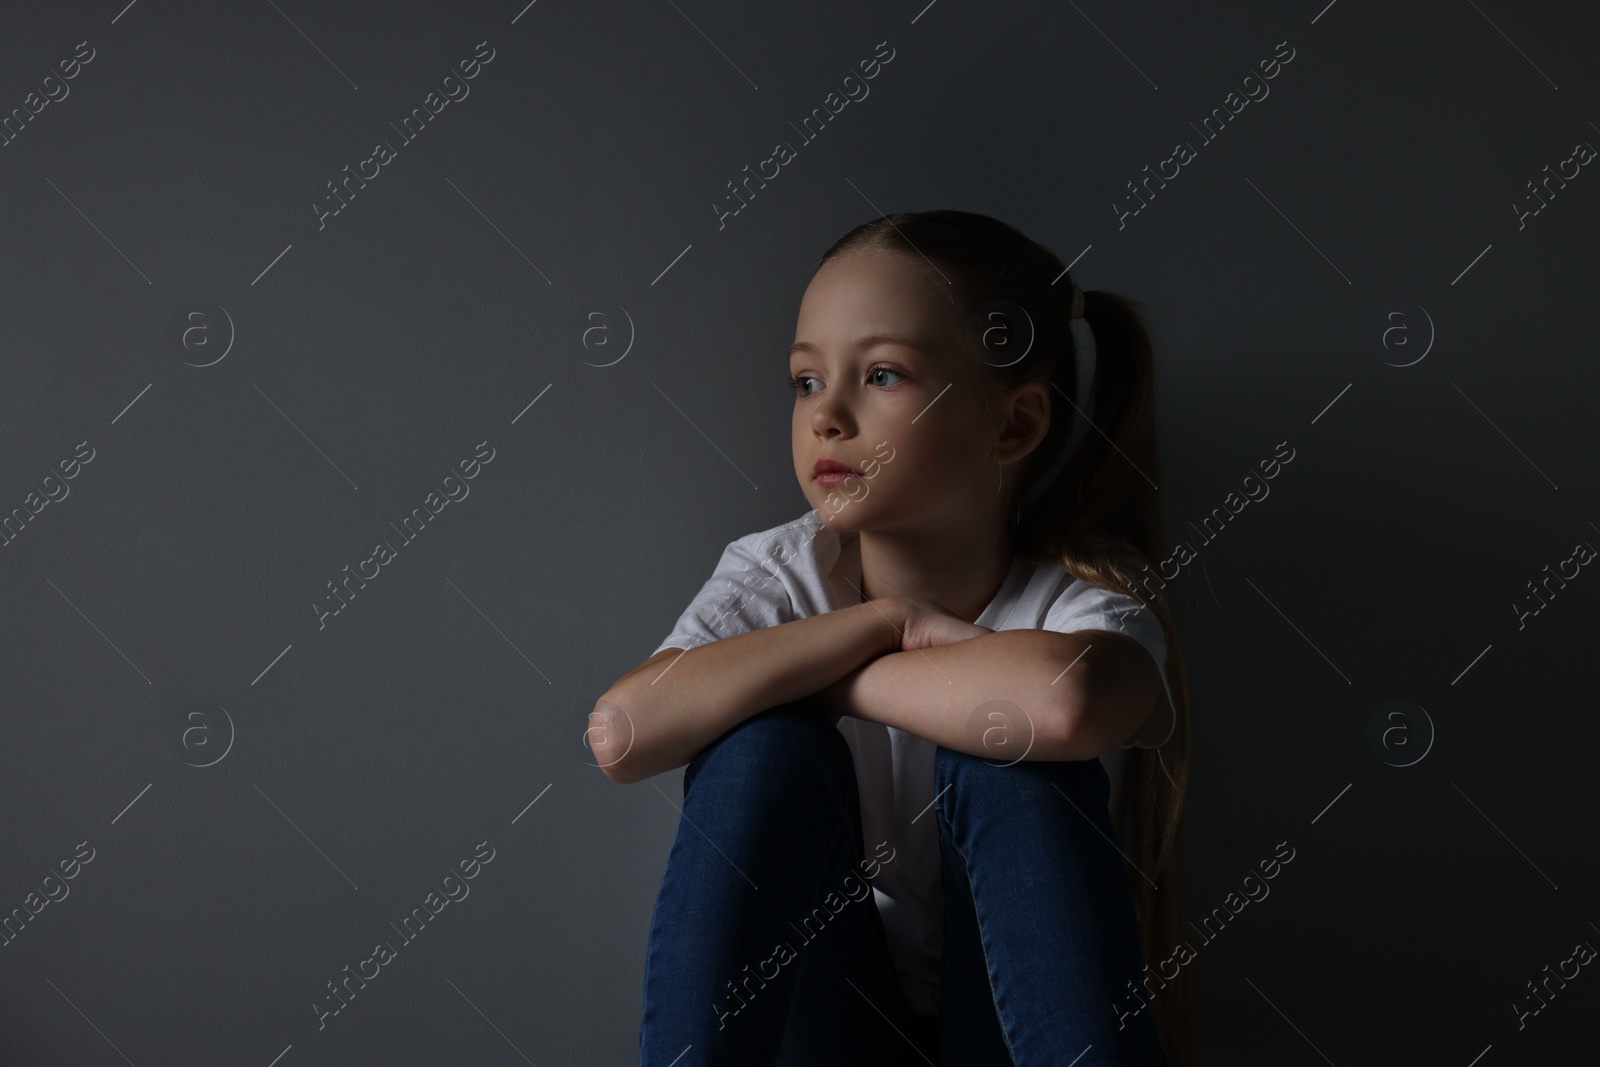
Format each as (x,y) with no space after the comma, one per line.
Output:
(834,477)
(831,466)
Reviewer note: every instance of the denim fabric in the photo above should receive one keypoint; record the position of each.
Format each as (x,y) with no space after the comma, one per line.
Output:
(747,965)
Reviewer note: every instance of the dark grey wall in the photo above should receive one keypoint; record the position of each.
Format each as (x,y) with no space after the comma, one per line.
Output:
(265,794)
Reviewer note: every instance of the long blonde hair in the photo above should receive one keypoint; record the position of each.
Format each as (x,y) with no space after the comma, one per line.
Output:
(1097,515)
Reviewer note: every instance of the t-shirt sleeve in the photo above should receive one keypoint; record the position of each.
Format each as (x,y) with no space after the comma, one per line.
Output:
(1085,606)
(741,595)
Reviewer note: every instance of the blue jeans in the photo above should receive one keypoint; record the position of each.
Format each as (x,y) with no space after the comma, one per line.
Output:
(746,966)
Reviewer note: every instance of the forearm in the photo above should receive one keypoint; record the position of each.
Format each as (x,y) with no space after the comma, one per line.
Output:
(661,715)
(1002,695)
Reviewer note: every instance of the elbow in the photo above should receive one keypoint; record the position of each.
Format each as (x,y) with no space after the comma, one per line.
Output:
(1109,700)
(610,737)
(1099,719)
(1072,732)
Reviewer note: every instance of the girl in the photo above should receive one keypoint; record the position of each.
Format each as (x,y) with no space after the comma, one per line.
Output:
(902,694)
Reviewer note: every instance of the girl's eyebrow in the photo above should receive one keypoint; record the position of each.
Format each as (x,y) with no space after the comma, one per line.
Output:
(871,341)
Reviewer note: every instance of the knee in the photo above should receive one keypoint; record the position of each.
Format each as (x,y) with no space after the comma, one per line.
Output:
(1017,779)
(777,751)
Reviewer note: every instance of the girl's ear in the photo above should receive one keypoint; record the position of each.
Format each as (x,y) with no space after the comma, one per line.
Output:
(1027,419)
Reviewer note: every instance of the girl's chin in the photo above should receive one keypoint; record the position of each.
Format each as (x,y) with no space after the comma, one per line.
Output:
(836,518)
(846,513)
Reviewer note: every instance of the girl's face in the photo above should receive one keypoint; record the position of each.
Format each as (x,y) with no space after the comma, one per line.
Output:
(887,387)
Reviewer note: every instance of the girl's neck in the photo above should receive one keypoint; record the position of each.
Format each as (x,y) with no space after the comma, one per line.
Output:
(962,575)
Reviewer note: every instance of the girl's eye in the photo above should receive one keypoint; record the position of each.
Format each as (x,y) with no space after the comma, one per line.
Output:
(797,382)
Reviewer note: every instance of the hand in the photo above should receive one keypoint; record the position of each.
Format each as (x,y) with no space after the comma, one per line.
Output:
(922,623)
(928,624)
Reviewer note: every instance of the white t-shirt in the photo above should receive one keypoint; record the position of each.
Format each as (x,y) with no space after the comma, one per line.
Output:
(801,569)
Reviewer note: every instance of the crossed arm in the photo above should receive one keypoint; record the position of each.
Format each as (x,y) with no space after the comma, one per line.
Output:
(1009,694)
